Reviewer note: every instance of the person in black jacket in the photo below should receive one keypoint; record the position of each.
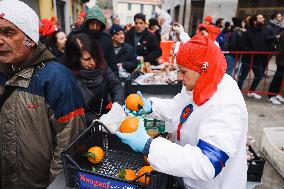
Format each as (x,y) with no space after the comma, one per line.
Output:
(94,25)
(273,30)
(145,44)
(95,79)
(233,43)
(155,28)
(275,86)
(254,40)
(125,54)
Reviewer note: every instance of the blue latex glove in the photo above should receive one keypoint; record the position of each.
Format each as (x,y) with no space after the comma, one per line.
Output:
(137,139)
(147,105)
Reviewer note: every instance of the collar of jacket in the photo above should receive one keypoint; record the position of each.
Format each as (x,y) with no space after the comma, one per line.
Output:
(21,75)
(142,34)
(275,23)
(123,49)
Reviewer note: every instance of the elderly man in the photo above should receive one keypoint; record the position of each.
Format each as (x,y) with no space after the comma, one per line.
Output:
(41,108)
(208,119)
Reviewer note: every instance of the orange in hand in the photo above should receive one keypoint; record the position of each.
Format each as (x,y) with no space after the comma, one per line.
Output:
(129,125)
(95,154)
(145,179)
(134,102)
(127,174)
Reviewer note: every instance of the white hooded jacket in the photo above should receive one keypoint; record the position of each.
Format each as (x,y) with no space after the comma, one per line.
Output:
(222,122)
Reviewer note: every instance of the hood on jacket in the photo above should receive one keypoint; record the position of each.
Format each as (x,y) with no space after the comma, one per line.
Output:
(96,13)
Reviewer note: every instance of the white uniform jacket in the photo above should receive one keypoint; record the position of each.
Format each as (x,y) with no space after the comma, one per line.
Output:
(222,122)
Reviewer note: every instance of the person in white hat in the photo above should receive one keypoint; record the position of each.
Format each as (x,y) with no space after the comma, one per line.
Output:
(41,109)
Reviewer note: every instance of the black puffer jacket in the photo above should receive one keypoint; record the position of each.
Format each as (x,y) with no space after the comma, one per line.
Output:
(148,46)
(97,86)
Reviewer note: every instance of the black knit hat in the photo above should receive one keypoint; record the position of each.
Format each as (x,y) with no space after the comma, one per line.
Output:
(153,22)
(115,28)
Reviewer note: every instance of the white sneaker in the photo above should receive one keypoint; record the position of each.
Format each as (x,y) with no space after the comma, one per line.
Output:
(274,100)
(254,95)
(279,98)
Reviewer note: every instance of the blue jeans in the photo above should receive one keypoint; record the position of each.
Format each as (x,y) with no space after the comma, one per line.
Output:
(259,64)
(230,64)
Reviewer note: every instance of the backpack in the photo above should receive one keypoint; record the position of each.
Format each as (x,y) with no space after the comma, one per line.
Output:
(227,43)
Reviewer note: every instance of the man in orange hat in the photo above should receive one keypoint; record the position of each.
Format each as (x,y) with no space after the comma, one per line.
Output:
(208,120)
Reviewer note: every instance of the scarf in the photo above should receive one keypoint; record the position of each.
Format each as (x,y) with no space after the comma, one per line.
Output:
(275,22)
(91,78)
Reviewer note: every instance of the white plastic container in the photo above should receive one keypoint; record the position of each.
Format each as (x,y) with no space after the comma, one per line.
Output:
(271,142)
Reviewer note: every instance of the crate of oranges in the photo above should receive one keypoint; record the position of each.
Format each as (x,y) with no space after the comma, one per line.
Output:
(98,159)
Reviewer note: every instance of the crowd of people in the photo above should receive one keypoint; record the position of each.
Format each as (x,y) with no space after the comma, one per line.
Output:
(251,34)
(53,85)
(130,45)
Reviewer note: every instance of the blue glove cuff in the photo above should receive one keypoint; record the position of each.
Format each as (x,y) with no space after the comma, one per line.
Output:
(147,147)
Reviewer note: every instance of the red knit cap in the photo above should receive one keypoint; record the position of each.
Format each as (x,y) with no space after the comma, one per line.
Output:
(208,19)
(200,54)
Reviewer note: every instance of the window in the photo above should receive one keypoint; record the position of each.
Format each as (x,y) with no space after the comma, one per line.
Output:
(129,6)
(153,9)
(142,8)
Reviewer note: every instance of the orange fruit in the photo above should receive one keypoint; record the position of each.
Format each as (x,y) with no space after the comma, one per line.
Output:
(127,174)
(143,170)
(129,125)
(95,154)
(134,102)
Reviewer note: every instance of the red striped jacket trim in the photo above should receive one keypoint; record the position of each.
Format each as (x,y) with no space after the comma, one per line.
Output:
(71,115)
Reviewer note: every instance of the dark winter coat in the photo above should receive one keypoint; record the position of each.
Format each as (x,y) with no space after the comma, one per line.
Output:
(271,31)
(39,119)
(148,46)
(253,39)
(96,86)
(235,40)
(57,53)
(127,57)
(280,58)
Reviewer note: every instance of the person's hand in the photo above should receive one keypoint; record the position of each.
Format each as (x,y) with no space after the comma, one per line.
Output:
(178,28)
(137,139)
(147,107)
(113,118)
